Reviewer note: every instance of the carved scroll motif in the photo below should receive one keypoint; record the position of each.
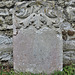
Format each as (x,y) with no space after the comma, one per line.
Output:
(37,15)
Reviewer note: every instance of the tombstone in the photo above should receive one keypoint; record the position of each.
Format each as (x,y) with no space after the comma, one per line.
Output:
(37,38)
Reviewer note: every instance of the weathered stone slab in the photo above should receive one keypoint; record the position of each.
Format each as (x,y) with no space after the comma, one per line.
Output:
(37,39)
(37,51)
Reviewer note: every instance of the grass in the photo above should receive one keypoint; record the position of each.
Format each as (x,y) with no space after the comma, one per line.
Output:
(67,70)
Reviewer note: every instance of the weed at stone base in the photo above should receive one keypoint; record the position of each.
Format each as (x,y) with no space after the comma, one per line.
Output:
(67,70)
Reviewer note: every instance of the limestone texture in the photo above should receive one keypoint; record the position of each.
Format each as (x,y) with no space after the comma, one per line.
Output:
(67,8)
(37,38)
(38,51)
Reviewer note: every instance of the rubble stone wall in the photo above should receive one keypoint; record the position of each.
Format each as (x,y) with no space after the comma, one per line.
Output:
(67,27)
